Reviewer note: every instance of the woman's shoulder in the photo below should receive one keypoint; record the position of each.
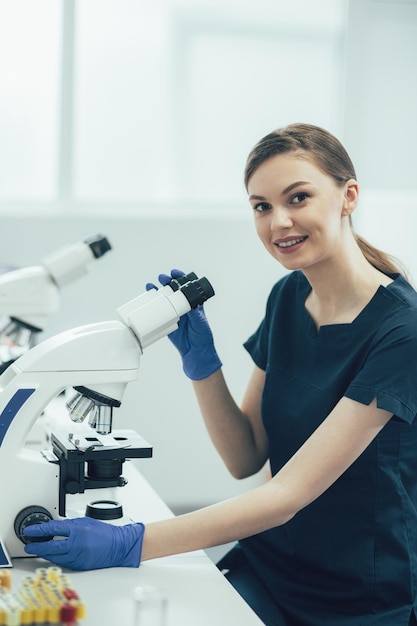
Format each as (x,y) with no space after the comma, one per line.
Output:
(294,284)
(400,302)
(287,296)
(397,310)
(402,293)
(293,281)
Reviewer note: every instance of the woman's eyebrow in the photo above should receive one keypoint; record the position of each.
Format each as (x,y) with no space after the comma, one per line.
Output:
(285,191)
(296,184)
(254,197)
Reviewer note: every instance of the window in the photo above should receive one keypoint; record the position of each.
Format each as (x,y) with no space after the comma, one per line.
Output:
(160,100)
(30,55)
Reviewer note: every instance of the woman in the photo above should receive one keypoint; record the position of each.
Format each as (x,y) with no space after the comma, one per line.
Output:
(331,538)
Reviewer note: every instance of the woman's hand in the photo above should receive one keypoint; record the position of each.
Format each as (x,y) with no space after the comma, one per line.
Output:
(87,544)
(193,338)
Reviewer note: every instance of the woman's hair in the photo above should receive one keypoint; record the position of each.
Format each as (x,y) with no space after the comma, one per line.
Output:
(328,154)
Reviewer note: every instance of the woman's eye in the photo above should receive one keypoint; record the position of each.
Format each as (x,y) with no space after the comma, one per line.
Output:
(299,198)
(261,207)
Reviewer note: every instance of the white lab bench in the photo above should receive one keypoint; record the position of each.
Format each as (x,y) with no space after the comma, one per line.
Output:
(197,592)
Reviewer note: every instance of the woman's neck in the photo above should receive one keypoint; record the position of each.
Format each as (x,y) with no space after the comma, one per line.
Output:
(340,291)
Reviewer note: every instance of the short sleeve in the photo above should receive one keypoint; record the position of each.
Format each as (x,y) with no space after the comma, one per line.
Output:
(389,372)
(285,290)
(256,345)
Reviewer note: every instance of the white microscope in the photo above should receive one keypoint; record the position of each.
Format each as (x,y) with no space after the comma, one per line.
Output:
(28,296)
(98,360)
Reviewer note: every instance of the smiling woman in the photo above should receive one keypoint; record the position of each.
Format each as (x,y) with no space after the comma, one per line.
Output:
(331,405)
(304,167)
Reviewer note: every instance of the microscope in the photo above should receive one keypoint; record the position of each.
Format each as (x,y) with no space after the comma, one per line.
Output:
(97,361)
(29,295)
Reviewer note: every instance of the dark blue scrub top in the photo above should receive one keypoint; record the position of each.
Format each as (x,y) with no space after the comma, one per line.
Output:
(350,557)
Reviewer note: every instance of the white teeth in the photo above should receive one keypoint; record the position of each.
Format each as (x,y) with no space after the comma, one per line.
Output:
(287,244)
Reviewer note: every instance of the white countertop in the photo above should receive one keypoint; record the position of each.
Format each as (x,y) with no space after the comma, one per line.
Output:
(197,592)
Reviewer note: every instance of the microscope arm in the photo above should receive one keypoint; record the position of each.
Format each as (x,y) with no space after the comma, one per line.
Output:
(102,356)
(31,294)
(99,360)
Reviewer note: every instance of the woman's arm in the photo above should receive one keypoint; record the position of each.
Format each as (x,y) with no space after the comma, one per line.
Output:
(325,456)
(238,434)
(331,449)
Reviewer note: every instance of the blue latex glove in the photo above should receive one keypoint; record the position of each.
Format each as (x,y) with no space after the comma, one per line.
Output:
(193,338)
(90,544)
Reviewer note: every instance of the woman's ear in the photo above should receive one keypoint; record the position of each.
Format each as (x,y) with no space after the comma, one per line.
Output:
(350,197)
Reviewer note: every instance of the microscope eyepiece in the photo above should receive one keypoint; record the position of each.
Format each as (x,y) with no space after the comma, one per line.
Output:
(177,283)
(197,291)
(99,245)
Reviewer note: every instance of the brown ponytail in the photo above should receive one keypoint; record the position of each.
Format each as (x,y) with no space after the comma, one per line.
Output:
(382,261)
(331,157)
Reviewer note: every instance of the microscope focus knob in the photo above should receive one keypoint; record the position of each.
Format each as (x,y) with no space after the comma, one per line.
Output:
(33,514)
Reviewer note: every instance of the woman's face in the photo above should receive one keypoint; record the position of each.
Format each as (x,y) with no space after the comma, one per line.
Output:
(300,212)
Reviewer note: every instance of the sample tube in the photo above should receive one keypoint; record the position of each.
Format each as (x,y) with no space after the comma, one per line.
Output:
(150,606)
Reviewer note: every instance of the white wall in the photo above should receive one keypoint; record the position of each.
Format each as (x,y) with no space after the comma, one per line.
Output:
(380,129)
(185,469)
(388,219)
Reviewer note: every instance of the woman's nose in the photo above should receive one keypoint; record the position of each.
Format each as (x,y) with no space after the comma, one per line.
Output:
(281,218)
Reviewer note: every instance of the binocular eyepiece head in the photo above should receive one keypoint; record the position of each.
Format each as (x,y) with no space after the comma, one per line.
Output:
(196,290)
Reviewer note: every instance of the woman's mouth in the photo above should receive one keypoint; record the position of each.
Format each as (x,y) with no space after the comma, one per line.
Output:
(289,244)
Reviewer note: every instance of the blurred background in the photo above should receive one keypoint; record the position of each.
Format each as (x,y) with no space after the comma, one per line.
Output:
(134,118)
